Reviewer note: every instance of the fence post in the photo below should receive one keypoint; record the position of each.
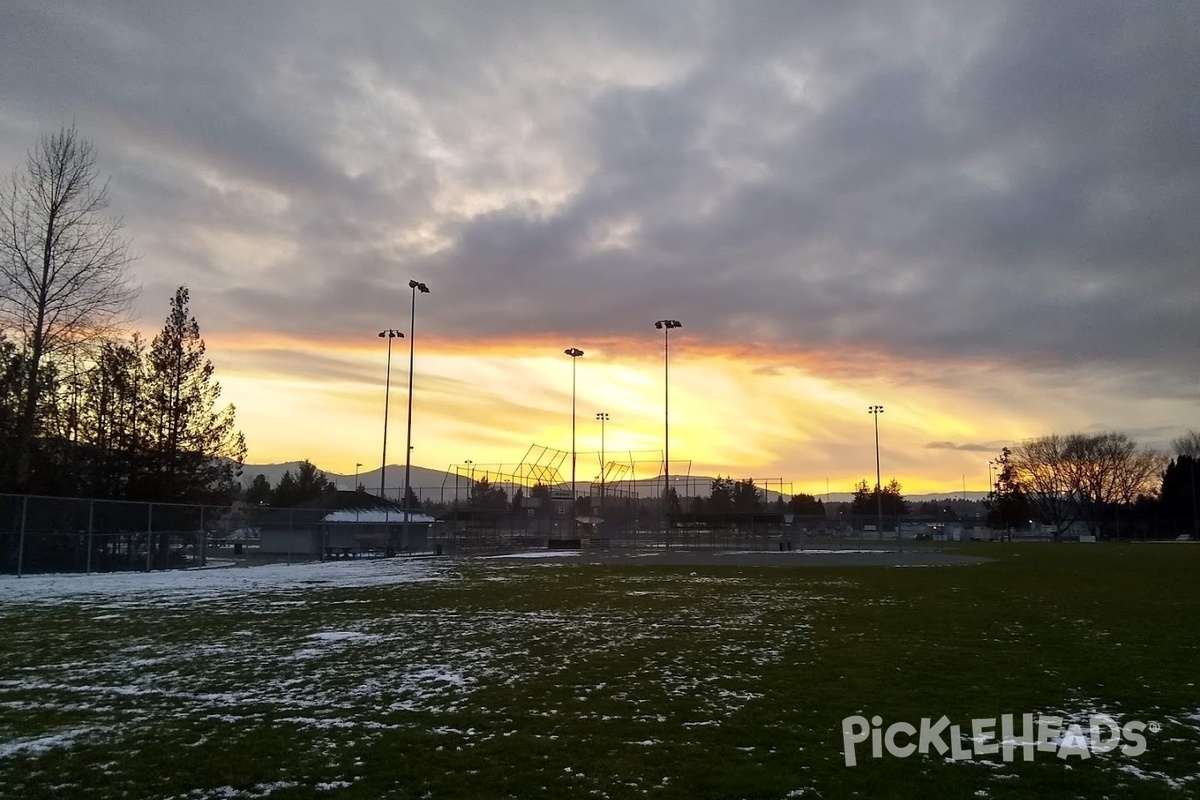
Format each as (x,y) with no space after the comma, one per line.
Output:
(149,532)
(21,541)
(91,509)
(199,551)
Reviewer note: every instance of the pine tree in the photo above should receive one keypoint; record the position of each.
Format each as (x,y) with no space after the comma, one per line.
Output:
(112,421)
(196,450)
(259,491)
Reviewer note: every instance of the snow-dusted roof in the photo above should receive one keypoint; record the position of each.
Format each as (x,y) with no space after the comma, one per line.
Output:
(374,516)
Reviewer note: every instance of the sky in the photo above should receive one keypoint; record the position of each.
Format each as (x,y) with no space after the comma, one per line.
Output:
(980,215)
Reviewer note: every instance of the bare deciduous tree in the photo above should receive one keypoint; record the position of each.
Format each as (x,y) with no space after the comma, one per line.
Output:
(1084,475)
(1187,445)
(1041,467)
(63,277)
(1109,469)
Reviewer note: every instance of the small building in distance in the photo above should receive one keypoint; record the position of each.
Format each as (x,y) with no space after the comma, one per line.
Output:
(343,523)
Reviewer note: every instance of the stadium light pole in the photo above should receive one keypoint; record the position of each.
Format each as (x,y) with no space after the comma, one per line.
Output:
(412,326)
(356,466)
(574,353)
(875,411)
(666,326)
(388,334)
(603,417)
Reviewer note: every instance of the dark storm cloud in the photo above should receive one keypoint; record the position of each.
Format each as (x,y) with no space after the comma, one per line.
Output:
(1011,181)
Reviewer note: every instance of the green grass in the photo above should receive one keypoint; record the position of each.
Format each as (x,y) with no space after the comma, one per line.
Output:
(608,681)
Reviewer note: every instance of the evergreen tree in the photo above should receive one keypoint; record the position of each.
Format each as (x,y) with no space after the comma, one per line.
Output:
(671,499)
(1008,506)
(806,505)
(113,420)
(411,501)
(867,501)
(1179,494)
(12,368)
(720,495)
(196,450)
(285,494)
(308,483)
(259,492)
(745,496)
(486,496)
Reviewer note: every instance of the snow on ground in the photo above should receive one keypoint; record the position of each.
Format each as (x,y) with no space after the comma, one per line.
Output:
(535,554)
(279,651)
(172,587)
(343,670)
(807,552)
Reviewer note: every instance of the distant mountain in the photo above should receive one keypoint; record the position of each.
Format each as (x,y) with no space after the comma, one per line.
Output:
(440,485)
(429,481)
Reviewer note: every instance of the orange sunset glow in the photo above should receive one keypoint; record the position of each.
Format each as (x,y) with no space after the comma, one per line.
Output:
(731,412)
(840,216)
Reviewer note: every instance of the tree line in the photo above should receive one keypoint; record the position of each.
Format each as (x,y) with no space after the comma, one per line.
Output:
(1105,482)
(85,408)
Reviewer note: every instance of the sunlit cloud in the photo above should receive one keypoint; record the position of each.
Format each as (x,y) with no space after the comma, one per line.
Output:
(981,218)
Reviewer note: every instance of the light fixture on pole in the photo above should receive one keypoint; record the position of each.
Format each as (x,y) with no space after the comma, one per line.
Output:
(603,417)
(388,334)
(356,466)
(875,411)
(574,353)
(666,326)
(412,325)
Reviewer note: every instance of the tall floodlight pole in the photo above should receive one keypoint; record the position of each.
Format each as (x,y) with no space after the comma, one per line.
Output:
(666,326)
(603,417)
(875,411)
(356,466)
(412,326)
(574,353)
(388,334)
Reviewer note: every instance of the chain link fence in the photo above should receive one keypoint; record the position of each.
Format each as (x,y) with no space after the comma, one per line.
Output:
(58,534)
(64,534)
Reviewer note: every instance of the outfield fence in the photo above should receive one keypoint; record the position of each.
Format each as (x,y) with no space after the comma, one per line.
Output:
(61,534)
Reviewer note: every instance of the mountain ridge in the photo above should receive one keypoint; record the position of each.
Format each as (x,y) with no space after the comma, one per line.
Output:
(440,485)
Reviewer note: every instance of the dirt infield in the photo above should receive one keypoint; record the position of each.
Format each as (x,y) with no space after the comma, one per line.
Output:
(827,557)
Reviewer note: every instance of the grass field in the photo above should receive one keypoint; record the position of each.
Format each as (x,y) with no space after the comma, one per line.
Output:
(494,678)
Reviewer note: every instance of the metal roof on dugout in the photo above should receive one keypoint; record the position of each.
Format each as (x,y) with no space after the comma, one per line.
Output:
(343,523)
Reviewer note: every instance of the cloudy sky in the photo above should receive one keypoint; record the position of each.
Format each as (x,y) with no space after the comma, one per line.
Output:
(981,215)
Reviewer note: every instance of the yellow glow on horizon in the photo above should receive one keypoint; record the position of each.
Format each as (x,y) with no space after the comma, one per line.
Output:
(741,413)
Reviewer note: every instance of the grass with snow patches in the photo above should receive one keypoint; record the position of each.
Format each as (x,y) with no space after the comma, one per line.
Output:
(526,679)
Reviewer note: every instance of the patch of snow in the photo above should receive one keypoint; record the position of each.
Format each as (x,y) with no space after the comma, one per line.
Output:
(836,552)
(341,636)
(189,586)
(40,744)
(535,554)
